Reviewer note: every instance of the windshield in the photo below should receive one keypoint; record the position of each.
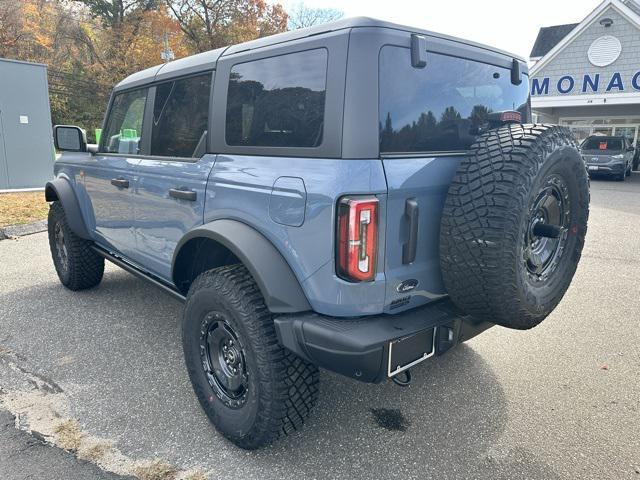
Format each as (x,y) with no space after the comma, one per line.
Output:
(444,106)
(602,143)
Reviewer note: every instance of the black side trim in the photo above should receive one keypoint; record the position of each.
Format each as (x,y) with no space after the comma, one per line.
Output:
(279,286)
(61,190)
(410,248)
(139,273)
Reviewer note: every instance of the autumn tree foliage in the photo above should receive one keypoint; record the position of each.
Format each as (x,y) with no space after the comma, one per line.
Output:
(209,24)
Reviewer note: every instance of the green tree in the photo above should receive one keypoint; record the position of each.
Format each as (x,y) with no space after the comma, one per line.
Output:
(112,13)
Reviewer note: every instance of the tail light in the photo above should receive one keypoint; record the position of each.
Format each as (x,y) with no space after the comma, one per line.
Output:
(357,241)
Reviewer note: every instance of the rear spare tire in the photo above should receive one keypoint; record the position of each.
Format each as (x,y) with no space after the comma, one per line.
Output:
(514,223)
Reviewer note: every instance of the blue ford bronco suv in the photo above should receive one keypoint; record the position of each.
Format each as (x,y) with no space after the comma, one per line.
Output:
(358,196)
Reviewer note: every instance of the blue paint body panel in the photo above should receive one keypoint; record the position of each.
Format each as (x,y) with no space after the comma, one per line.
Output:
(240,188)
(427,181)
(291,201)
(161,220)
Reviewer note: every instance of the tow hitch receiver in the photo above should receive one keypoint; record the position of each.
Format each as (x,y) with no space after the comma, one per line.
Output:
(408,351)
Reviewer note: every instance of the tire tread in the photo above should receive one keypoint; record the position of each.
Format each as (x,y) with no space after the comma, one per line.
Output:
(481,218)
(289,386)
(86,267)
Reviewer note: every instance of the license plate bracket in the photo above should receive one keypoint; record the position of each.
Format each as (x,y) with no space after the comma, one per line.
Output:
(408,351)
(593,167)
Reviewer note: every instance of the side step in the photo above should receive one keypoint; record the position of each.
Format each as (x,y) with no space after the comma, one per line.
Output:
(161,284)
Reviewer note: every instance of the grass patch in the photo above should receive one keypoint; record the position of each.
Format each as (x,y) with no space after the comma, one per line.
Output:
(95,452)
(194,475)
(22,207)
(68,435)
(156,470)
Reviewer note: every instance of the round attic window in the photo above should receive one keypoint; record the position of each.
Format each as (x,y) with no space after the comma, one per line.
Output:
(604,51)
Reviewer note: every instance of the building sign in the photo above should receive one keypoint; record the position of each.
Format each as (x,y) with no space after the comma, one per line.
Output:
(588,83)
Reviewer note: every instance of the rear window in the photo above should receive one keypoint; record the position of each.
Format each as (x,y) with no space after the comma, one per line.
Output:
(444,106)
(278,101)
(602,143)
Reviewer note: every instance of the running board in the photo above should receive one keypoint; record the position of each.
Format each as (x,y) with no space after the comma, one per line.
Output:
(162,285)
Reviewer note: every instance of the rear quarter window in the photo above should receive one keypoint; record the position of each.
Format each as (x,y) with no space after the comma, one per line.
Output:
(444,106)
(278,101)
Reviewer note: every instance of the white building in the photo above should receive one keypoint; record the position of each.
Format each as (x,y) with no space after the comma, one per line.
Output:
(587,75)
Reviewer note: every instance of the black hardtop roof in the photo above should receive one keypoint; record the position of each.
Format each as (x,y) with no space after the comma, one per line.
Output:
(207,60)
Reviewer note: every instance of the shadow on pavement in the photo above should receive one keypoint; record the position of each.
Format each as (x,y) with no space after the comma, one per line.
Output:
(127,382)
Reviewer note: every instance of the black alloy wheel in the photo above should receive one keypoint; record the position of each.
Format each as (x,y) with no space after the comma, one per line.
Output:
(223,359)
(546,237)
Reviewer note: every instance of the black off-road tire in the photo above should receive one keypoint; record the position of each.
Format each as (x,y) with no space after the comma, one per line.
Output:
(77,265)
(281,388)
(486,239)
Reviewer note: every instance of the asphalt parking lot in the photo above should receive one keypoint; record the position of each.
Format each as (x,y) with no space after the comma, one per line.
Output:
(559,401)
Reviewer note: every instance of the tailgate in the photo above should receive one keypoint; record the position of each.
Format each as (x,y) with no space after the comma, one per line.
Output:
(417,188)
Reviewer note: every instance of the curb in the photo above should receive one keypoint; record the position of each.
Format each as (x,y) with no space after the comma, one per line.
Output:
(21,230)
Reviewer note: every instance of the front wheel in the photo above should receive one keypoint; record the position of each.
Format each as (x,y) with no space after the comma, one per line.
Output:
(77,265)
(251,388)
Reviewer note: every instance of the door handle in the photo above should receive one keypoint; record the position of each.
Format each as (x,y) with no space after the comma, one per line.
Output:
(183,193)
(120,182)
(410,248)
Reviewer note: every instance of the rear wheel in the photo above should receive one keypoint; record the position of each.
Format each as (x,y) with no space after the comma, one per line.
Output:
(77,265)
(514,223)
(251,388)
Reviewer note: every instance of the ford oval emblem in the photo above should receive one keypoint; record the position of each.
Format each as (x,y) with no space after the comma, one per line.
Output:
(407,285)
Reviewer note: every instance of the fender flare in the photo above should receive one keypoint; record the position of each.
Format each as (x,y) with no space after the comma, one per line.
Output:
(279,286)
(61,190)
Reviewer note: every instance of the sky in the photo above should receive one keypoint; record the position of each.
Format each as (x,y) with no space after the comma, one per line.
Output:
(509,25)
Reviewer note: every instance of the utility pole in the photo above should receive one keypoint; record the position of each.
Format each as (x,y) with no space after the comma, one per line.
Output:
(167,54)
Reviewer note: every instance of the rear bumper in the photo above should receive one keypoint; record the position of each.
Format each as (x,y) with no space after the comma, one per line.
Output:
(359,348)
(607,168)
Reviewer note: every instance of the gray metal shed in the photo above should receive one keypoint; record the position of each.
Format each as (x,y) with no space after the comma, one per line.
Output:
(26,140)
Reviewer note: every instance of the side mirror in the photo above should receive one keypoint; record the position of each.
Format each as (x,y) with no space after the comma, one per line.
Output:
(69,138)
(631,148)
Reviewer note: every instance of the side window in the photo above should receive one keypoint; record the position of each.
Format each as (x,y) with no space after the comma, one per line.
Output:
(180,117)
(124,125)
(278,101)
